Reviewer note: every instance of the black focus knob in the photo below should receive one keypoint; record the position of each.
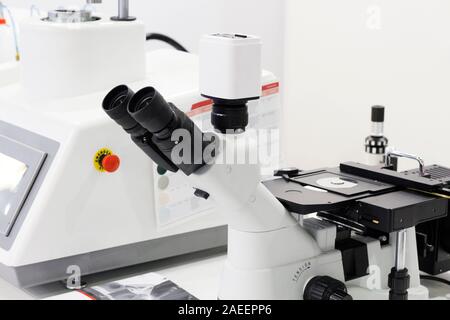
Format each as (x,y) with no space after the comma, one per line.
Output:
(326,288)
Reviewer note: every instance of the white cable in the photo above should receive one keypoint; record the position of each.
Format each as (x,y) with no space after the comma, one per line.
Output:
(14,28)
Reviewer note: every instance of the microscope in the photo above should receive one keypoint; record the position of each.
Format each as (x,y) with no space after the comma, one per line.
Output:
(329,234)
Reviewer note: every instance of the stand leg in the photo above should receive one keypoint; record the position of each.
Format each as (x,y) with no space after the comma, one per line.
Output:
(399,279)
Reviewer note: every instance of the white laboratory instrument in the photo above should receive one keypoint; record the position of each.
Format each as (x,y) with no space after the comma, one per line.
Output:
(362,244)
(74,192)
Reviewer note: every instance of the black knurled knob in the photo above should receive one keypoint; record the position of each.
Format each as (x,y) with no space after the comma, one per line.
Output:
(378,114)
(399,283)
(340,295)
(326,288)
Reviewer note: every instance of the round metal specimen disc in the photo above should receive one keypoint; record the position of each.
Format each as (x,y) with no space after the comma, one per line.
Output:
(337,183)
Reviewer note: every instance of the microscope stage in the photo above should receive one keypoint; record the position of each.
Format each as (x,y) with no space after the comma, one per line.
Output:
(370,204)
(323,190)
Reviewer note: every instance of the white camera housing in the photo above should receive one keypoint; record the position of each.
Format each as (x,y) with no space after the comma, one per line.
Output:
(230,66)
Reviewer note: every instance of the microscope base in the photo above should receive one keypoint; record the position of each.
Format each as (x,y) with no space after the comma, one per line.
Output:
(268,284)
(277,266)
(278,283)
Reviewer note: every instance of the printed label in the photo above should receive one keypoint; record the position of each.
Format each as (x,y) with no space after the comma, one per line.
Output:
(174,195)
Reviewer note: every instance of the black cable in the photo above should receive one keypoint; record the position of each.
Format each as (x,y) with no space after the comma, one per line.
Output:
(166,39)
(430,278)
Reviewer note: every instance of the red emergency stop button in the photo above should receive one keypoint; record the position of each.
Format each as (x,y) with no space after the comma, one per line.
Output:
(111,163)
(2,21)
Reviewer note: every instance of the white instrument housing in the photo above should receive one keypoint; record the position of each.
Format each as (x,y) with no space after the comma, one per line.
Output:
(230,66)
(73,214)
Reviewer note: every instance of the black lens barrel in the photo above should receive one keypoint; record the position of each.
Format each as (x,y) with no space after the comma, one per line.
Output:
(229,117)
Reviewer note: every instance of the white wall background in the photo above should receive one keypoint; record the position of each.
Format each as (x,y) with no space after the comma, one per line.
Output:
(344,56)
(187,20)
(340,58)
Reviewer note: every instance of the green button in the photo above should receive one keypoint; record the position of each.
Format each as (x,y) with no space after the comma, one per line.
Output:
(161,171)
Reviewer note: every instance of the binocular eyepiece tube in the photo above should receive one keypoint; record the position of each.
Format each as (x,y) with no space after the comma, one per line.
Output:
(150,109)
(115,105)
(152,123)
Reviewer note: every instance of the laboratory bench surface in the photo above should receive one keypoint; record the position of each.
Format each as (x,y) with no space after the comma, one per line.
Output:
(197,273)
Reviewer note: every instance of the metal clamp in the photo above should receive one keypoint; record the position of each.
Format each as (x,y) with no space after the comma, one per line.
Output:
(390,153)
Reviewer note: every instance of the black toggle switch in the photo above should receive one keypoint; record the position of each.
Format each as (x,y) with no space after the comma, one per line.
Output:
(289,172)
(201,194)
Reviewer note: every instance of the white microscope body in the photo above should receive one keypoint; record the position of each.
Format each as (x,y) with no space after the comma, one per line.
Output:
(271,254)
(70,209)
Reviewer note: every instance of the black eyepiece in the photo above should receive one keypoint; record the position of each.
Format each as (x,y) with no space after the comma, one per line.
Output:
(115,105)
(164,121)
(151,110)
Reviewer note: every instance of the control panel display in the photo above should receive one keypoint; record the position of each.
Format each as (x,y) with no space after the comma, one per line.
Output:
(11,173)
(19,167)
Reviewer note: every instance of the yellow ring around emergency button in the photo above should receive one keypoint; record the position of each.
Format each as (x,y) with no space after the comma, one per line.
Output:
(98,158)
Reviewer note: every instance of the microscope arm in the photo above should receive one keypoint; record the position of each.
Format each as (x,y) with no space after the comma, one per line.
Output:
(237,188)
(264,240)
